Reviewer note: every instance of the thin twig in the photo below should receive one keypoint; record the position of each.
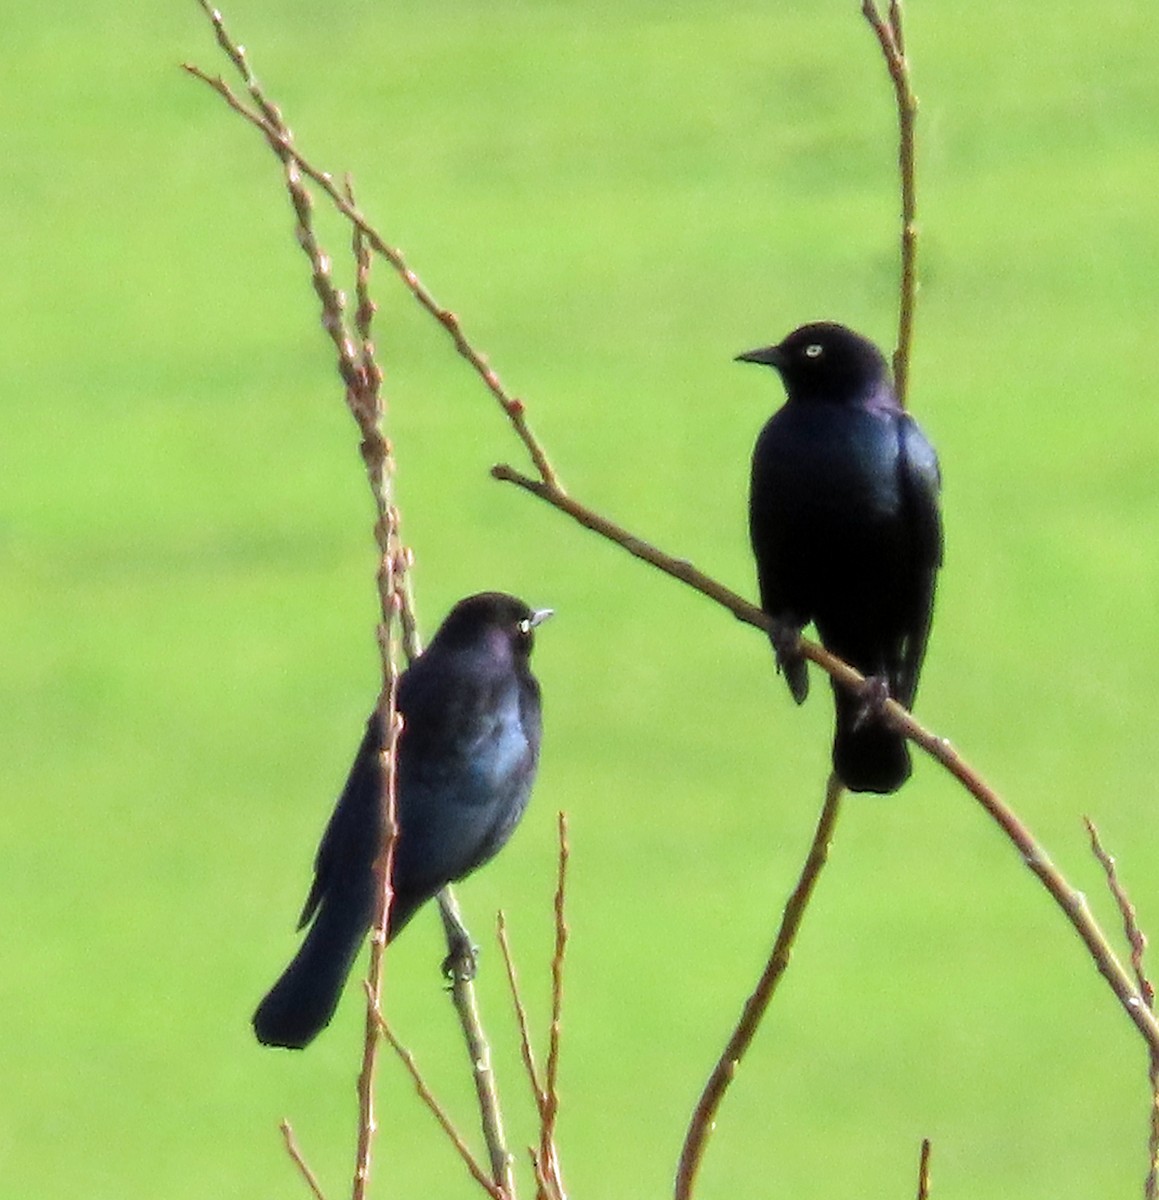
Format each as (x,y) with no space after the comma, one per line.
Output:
(924,1171)
(367,1125)
(548,1150)
(429,1099)
(703,1117)
(372,373)
(1137,940)
(295,1152)
(537,1090)
(892,39)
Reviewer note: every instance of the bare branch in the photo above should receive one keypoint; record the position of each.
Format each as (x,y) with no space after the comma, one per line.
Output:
(294,1151)
(703,1117)
(545,1158)
(678,568)
(1072,902)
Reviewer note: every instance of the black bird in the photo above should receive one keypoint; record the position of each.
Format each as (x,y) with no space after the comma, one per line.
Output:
(467,757)
(846,530)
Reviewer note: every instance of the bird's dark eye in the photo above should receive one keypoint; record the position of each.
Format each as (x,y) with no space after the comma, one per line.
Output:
(814,350)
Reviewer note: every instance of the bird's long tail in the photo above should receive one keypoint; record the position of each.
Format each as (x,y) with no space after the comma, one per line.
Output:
(299,1006)
(868,756)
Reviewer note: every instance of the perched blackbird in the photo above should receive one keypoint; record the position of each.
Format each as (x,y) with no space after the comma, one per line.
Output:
(467,757)
(846,530)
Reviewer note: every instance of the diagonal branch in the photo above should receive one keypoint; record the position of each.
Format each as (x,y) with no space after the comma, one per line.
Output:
(704,1115)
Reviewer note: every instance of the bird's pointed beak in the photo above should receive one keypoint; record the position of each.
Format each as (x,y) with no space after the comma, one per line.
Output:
(539,616)
(767,356)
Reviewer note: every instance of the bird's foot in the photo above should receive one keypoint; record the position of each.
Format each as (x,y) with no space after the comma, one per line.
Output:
(874,694)
(462,961)
(786,639)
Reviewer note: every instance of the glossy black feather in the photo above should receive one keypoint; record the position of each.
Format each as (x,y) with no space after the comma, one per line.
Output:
(846,531)
(467,758)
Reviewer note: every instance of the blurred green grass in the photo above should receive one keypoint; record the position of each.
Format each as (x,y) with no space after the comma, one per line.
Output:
(616,200)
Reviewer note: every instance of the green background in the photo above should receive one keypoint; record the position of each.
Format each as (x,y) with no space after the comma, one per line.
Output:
(616,199)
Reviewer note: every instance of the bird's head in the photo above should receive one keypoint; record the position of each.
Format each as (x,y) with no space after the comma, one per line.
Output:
(827,363)
(490,616)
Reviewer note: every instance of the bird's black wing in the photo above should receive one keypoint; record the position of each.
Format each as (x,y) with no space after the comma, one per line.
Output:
(921,482)
(776,489)
(350,841)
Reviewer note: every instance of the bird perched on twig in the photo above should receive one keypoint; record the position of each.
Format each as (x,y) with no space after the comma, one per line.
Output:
(467,757)
(846,531)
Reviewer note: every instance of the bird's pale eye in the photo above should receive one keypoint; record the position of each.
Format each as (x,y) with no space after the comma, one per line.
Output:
(524,626)
(814,350)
